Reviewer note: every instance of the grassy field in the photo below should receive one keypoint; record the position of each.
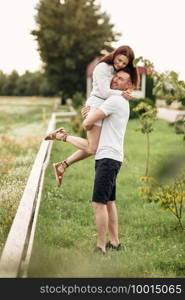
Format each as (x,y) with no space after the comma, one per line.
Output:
(23,122)
(66,234)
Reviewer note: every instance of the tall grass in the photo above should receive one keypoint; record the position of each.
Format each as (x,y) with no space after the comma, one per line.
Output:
(23,122)
(66,234)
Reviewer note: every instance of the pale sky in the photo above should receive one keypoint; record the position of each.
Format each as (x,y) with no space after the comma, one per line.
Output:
(153,28)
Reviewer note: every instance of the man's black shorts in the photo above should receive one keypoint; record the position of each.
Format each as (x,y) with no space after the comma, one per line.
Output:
(106,171)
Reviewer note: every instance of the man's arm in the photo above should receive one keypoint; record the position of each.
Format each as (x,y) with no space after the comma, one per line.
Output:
(90,120)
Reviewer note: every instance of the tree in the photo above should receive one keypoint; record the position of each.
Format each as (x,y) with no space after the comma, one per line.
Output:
(166,85)
(147,117)
(9,87)
(3,79)
(70,34)
(149,88)
(170,88)
(28,84)
(22,84)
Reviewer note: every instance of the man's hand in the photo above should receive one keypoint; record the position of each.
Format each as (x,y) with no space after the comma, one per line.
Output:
(88,123)
(84,111)
(128,95)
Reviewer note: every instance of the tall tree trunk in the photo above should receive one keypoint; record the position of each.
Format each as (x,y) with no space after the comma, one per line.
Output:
(147,154)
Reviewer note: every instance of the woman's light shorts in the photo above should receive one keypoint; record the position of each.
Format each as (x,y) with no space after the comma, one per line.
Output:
(92,110)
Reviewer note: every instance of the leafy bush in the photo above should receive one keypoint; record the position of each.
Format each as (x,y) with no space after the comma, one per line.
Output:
(78,99)
(171,197)
(180,126)
(149,88)
(133,103)
(77,125)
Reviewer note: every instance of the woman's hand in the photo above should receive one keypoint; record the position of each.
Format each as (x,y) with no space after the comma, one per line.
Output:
(127,94)
(84,111)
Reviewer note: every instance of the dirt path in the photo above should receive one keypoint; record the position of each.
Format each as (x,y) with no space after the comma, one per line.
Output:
(169,115)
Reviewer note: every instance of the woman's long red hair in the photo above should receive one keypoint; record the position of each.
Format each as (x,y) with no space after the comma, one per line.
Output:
(129,53)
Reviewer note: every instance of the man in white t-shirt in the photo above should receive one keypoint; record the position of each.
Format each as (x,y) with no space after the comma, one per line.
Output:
(108,159)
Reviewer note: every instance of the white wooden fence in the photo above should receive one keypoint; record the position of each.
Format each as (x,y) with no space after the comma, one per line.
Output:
(16,253)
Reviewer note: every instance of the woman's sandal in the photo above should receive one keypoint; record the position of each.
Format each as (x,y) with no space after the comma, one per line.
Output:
(59,169)
(59,134)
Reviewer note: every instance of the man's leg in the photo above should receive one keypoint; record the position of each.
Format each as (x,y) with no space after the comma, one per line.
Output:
(101,218)
(113,223)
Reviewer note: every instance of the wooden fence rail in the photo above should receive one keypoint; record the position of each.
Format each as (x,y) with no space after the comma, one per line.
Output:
(16,253)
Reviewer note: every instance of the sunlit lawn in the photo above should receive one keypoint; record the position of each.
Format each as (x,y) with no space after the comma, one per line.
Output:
(66,234)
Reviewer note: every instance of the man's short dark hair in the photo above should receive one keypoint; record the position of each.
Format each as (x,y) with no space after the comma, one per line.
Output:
(126,70)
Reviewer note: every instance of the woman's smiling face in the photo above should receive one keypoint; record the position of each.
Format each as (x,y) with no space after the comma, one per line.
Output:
(120,61)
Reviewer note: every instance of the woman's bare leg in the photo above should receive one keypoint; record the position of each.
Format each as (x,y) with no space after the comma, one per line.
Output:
(76,156)
(87,148)
(78,142)
(90,144)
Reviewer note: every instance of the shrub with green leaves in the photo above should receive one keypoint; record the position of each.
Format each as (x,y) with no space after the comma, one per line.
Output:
(77,125)
(134,103)
(180,126)
(166,85)
(170,197)
(78,99)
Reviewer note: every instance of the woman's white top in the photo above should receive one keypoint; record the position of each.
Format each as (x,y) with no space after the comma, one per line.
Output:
(102,76)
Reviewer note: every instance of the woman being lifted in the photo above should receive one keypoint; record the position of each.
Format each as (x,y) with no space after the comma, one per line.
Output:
(103,73)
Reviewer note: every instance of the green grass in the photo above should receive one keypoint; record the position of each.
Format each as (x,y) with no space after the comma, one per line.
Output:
(23,122)
(66,234)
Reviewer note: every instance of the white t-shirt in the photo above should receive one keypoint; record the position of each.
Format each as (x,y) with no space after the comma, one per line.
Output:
(111,142)
(102,76)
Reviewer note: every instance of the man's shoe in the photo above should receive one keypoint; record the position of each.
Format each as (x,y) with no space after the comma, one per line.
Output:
(99,250)
(110,246)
